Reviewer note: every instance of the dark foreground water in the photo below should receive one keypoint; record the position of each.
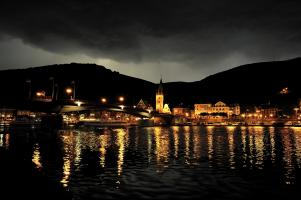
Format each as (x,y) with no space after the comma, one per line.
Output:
(160,162)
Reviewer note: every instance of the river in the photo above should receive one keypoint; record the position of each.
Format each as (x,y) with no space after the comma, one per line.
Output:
(163,162)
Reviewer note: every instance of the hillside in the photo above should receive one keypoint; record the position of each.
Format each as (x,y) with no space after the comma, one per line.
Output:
(92,82)
(251,84)
(258,83)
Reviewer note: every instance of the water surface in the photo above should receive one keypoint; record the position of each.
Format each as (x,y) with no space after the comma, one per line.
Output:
(164,162)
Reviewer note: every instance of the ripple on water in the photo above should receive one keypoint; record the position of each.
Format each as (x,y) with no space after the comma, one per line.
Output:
(167,162)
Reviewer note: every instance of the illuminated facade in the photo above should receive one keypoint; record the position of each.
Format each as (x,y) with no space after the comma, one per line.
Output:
(179,111)
(160,98)
(144,105)
(166,109)
(219,107)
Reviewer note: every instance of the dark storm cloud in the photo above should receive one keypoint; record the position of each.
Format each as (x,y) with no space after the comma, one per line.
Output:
(200,33)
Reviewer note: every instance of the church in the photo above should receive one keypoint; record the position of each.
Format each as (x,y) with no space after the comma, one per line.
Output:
(160,106)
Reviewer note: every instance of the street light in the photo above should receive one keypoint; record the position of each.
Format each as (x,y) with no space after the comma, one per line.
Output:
(103,100)
(40,94)
(121,99)
(52,93)
(73,83)
(69,91)
(296,111)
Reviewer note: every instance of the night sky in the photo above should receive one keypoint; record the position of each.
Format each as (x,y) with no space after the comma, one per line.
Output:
(183,40)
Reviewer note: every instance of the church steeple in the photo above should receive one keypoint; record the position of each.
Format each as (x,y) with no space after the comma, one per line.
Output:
(160,88)
(160,98)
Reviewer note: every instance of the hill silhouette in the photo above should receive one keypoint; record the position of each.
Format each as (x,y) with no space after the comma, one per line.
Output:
(251,84)
(91,82)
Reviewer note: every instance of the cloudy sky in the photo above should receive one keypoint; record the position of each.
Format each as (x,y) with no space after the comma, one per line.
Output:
(182,40)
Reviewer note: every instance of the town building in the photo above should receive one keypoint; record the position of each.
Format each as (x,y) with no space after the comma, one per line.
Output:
(166,109)
(218,108)
(179,111)
(142,104)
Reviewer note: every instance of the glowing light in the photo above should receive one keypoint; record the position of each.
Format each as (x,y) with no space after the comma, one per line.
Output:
(121,99)
(7,139)
(162,147)
(1,140)
(122,139)
(210,142)
(176,140)
(68,148)
(68,90)
(187,144)
(40,94)
(66,172)
(78,103)
(103,100)
(104,141)
(36,157)
(284,91)
(122,107)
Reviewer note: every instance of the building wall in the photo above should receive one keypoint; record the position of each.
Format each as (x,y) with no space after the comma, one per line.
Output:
(159,102)
(219,107)
(201,108)
(235,110)
(181,112)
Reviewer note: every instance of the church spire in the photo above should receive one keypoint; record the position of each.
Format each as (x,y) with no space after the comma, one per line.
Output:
(160,88)
(160,98)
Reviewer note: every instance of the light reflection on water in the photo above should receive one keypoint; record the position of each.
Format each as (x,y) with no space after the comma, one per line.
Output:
(36,157)
(156,161)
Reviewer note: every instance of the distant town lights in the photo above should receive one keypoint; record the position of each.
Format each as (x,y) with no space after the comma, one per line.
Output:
(284,91)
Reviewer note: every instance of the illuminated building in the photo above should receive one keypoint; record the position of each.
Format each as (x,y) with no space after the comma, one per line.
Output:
(144,105)
(269,112)
(182,115)
(219,107)
(202,108)
(160,98)
(166,109)
(184,112)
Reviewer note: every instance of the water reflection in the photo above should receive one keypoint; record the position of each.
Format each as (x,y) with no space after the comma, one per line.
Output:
(1,140)
(210,142)
(158,159)
(231,130)
(36,157)
(176,138)
(162,148)
(4,140)
(122,141)
(104,141)
(69,151)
